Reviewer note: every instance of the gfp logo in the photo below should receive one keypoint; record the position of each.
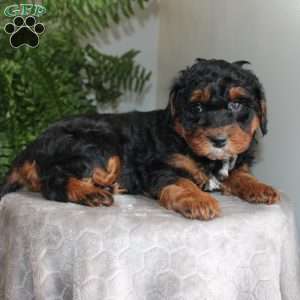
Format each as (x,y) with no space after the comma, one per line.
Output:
(24,30)
(36,10)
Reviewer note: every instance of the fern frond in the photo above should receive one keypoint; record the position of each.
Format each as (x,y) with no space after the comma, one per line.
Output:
(60,78)
(112,72)
(90,16)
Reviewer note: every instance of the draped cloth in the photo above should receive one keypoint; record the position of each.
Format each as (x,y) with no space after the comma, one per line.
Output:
(137,250)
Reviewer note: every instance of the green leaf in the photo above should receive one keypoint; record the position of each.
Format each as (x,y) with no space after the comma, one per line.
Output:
(58,79)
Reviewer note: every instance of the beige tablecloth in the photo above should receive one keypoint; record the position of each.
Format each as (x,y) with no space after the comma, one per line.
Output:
(136,250)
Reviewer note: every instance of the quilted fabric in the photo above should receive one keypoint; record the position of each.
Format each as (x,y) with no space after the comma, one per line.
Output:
(136,250)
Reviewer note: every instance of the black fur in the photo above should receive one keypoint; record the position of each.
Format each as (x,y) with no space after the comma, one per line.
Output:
(143,140)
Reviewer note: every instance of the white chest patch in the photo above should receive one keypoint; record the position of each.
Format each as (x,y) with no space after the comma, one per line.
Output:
(224,171)
(214,183)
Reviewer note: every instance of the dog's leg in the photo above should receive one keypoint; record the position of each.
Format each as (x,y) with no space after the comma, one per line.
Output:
(186,198)
(94,190)
(187,164)
(175,190)
(244,185)
(26,175)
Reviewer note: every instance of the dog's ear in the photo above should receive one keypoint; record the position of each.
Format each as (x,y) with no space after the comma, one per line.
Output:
(260,96)
(241,63)
(173,95)
(262,113)
(200,60)
(171,104)
(263,116)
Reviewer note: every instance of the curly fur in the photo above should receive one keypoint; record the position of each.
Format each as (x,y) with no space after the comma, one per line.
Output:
(86,159)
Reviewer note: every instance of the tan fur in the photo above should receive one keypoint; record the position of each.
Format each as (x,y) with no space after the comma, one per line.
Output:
(84,191)
(238,139)
(187,164)
(244,185)
(201,95)
(236,92)
(110,175)
(27,175)
(186,198)
(98,189)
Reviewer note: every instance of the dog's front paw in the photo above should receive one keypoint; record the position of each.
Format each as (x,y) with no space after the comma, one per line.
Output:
(187,199)
(257,192)
(244,185)
(197,206)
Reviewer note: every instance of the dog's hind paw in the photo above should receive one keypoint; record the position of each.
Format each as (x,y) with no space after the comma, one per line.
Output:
(84,192)
(94,200)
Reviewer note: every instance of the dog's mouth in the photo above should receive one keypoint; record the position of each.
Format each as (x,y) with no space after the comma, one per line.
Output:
(227,152)
(219,143)
(220,154)
(218,147)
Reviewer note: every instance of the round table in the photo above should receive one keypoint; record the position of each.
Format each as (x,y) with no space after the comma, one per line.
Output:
(137,250)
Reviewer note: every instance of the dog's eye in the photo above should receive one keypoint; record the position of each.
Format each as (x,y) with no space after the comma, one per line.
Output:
(235,106)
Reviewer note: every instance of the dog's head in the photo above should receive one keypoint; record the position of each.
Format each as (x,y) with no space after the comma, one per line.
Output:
(217,107)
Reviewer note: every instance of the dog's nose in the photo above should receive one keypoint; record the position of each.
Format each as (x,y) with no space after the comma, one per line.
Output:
(218,142)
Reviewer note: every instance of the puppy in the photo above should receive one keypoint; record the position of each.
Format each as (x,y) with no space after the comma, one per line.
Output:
(203,141)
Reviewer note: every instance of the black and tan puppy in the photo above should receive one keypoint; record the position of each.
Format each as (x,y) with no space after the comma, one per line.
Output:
(202,141)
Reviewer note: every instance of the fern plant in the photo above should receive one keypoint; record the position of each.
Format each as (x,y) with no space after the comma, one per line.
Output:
(60,78)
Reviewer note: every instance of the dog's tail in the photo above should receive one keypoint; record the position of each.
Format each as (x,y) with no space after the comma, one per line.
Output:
(11,184)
